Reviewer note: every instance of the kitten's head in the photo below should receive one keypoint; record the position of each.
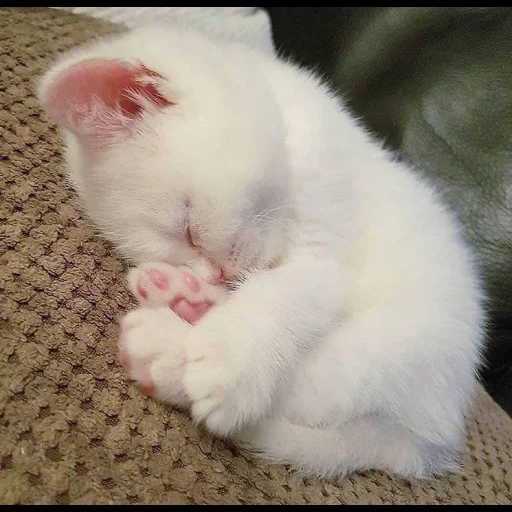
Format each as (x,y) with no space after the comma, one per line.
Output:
(176,147)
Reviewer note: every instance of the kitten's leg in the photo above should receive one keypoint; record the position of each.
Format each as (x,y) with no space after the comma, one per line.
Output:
(369,395)
(152,340)
(160,284)
(365,443)
(240,351)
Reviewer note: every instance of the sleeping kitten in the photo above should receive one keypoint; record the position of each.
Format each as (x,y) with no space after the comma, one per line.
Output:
(354,335)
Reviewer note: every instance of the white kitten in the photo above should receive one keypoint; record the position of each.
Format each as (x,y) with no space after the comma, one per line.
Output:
(354,337)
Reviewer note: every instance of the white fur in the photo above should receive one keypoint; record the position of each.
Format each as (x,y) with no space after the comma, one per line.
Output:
(244,24)
(354,338)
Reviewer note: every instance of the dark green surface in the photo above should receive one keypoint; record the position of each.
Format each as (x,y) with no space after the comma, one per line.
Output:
(436,84)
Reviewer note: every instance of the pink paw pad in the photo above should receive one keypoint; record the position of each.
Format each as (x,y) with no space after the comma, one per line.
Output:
(160,280)
(138,373)
(146,385)
(187,294)
(192,283)
(190,312)
(142,291)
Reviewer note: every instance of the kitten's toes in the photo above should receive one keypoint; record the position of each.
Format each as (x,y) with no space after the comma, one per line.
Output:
(197,297)
(154,284)
(189,311)
(160,284)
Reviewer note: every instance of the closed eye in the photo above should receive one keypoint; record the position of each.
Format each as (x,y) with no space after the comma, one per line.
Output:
(190,238)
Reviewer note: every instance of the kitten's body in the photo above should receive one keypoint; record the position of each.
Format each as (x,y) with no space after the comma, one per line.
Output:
(354,339)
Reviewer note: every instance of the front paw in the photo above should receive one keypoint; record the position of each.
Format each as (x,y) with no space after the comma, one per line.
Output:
(159,284)
(218,383)
(152,352)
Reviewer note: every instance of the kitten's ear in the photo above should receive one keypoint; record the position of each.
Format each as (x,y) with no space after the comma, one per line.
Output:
(102,99)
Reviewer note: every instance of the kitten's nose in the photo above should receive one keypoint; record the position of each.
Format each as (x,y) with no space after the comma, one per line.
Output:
(208,270)
(216,276)
(219,278)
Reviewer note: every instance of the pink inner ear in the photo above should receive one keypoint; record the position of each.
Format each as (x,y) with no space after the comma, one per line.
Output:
(100,97)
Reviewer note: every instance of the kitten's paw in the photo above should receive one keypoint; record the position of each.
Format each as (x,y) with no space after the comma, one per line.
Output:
(152,352)
(153,284)
(160,284)
(214,381)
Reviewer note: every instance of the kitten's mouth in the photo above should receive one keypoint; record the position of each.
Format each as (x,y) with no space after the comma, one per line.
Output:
(218,279)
